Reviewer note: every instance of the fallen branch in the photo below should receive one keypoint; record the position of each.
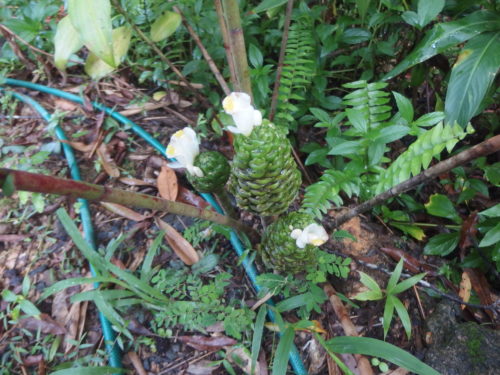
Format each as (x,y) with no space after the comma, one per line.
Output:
(11,180)
(482,149)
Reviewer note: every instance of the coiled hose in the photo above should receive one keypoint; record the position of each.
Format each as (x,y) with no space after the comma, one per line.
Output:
(294,356)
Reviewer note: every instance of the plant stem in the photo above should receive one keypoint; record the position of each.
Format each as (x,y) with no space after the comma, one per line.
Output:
(225,39)
(40,183)
(237,50)
(225,202)
(484,148)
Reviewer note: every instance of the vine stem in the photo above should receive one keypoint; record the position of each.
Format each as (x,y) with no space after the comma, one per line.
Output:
(279,70)
(11,180)
(482,149)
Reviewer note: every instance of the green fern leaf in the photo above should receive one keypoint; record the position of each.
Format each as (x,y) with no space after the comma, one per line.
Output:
(320,196)
(419,155)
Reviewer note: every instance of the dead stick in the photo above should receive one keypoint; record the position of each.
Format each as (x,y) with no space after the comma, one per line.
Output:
(206,55)
(225,38)
(347,325)
(482,149)
(279,70)
(40,183)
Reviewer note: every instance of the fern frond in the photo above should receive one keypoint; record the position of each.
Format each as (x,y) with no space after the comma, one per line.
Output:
(367,104)
(420,154)
(298,69)
(320,196)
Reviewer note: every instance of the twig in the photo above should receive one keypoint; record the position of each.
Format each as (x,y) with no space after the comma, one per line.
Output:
(40,183)
(237,50)
(33,48)
(279,70)
(484,148)
(347,325)
(225,38)
(206,55)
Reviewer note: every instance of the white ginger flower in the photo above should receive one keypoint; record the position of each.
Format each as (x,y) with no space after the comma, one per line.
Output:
(184,147)
(313,234)
(245,116)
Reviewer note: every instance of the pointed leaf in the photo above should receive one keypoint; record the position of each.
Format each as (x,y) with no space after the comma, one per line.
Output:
(66,42)
(440,205)
(445,35)
(404,106)
(92,20)
(471,77)
(408,283)
(491,237)
(388,314)
(282,351)
(396,274)
(181,247)
(442,244)
(97,68)
(369,282)
(165,25)
(403,315)
(428,10)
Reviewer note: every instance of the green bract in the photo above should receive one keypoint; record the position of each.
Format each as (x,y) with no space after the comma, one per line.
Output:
(265,178)
(280,251)
(215,170)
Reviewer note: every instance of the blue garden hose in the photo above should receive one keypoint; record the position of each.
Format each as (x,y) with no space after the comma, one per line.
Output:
(88,229)
(294,356)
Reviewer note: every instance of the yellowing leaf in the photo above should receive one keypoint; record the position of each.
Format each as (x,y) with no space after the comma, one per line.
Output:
(165,25)
(181,247)
(462,56)
(92,21)
(96,68)
(66,42)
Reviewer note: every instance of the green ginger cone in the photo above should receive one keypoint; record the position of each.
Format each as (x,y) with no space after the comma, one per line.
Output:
(265,179)
(215,170)
(290,243)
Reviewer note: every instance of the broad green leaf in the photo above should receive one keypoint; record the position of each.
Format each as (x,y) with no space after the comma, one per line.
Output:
(445,35)
(8,187)
(411,18)
(440,205)
(380,349)
(388,313)
(471,77)
(257,335)
(165,25)
(491,237)
(408,283)
(92,21)
(396,274)
(428,10)
(429,119)
(404,106)
(343,147)
(442,244)
(492,211)
(97,68)
(403,315)
(9,296)
(281,357)
(413,230)
(293,302)
(66,42)
(89,371)
(268,4)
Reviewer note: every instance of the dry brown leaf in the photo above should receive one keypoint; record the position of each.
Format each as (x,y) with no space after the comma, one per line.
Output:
(79,146)
(107,161)
(124,211)
(167,183)
(212,343)
(188,197)
(136,362)
(181,247)
(465,287)
(65,105)
(45,324)
(203,367)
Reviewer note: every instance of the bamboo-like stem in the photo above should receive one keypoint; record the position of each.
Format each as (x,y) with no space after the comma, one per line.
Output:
(237,48)
(484,148)
(279,70)
(40,183)
(225,39)
(206,55)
